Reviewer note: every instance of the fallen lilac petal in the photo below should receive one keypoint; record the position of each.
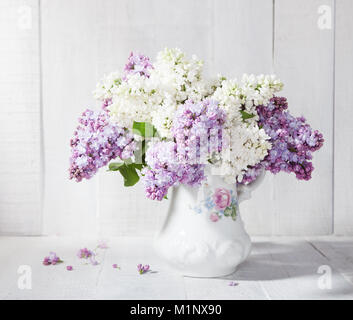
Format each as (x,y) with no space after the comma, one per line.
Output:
(233,284)
(93,260)
(103,245)
(69,268)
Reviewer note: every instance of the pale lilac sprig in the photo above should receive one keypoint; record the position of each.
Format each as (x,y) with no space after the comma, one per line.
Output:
(138,63)
(97,141)
(52,259)
(143,269)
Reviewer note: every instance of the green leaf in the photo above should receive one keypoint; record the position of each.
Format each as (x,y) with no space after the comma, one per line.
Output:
(227,211)
(144,129)
(114,166)
(137,166)
(128,171)
(234,212)
(246,115)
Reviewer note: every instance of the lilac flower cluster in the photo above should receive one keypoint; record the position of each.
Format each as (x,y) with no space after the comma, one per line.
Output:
(142,269)
(97,141)
(138,63)
(166,171)
(197,129)
(51,259)
(292,139)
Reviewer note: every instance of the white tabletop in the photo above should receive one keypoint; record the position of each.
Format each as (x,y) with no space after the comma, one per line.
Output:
(278,268)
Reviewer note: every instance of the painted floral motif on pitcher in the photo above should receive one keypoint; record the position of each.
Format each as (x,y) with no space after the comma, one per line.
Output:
(217,203)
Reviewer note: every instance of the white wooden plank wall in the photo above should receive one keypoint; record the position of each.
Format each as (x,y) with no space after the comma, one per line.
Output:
(243,46)
(83,39)
(343,194)
(69,76)
(303,58)
(20,161)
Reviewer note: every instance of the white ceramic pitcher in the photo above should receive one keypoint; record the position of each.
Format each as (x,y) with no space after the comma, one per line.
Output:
(203,234)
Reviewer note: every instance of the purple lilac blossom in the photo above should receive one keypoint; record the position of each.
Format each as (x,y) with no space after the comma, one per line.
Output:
(138,63)
(97,141)
(165,171)
(197,129)
(292,139)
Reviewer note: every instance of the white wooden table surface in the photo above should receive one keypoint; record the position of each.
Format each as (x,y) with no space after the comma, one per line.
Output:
(278,268)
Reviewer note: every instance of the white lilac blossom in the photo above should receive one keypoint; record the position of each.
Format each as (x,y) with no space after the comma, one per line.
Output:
(153,92)
(247,142)
(179,79)
(162,117)
(104,88)
(134,100)
(179,75)
(238,97)
(248,145)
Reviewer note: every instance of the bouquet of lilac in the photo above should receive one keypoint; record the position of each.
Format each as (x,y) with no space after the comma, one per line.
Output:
(163,123)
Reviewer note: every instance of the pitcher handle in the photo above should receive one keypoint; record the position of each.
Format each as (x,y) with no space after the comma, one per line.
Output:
(244,191)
